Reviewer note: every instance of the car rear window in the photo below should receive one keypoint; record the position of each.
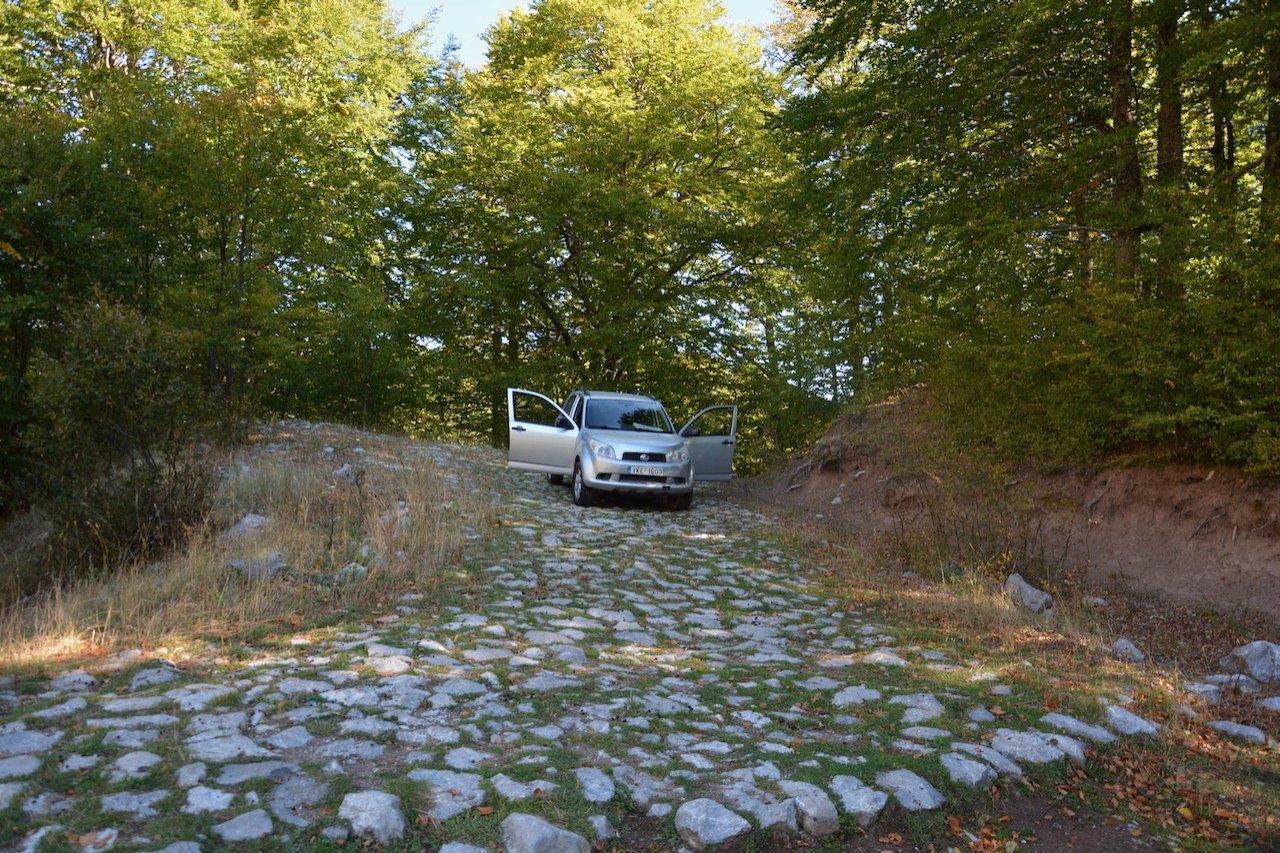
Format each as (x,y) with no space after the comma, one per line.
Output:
(627,415)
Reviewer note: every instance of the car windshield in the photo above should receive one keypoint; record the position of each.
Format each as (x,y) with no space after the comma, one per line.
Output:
(629,415)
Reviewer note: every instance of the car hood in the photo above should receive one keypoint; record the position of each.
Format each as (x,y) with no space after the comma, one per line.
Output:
(627,439)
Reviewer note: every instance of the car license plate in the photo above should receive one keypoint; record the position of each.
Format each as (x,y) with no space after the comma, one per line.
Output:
(646,470)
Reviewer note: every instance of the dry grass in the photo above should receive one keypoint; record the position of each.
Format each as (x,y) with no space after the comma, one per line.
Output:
(395,515)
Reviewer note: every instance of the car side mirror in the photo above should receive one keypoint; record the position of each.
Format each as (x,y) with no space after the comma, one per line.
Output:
(563,423)
(691,432)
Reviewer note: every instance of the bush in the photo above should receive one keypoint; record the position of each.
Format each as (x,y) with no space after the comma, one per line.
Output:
(114,420)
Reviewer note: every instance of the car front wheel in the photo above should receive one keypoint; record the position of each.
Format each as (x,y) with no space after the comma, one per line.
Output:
(582,493)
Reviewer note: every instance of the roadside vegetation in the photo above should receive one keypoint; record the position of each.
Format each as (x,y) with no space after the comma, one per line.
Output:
(388,523)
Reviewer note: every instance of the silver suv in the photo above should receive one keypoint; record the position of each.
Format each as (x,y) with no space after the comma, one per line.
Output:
(609,442)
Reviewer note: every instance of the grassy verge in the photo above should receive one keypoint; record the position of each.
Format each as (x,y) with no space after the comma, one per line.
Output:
(333,497)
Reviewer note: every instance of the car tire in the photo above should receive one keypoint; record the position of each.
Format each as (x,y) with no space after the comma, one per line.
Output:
(555,479)
(682,502)
(583,495)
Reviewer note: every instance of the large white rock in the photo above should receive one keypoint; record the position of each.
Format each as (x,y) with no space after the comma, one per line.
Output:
(920,707)
(376,814)
(1260,660)
(19,766)
(249,826)
(524,833)
(201,799)
(1035,600)
(138,805)
(768,812)
(814,808)
(865,804)
(517,791)
(1071,725)
(226,748)
(451,793)
(915,794)
(704,822)
(968,771)
(854,696)
(16,739)
(1124,649)
(247,526)
(1025,746)
(1250,734)
(1130,724)
(596,786)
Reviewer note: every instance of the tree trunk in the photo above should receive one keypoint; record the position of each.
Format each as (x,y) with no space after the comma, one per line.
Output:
(1170,168)
(1127,188)
(1170,165)
(497,399)
(1270,213)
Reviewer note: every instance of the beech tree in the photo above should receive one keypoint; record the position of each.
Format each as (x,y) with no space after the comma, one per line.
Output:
(601,203)
(1058,215)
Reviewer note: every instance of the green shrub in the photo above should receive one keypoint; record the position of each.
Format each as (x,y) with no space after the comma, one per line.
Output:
(114,421)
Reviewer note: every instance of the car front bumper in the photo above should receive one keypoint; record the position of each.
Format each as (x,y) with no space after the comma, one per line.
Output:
(611,475)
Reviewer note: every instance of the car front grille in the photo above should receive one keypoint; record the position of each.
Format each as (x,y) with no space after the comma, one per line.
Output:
(641,457)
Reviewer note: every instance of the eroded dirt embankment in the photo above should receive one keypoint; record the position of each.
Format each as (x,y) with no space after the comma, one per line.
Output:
(1192,534)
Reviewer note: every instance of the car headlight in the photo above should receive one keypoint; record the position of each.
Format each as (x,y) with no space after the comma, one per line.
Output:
(599,448)
(680,454)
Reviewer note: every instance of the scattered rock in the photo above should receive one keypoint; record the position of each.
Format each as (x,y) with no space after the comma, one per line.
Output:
(249,826)
(1130,724)
(134,765)
(911,791)
(705,822)
(1023,593)
(967,771)
(1126,650)
(524,833)
(601,827)
(18,767)
(201,799)
(1025,746)
(1249,734)
(136,805)
(814,809)
(858,800)
(451,792)
(247,526)
(16,739)
(75,681)
(1071,725)
(260,568)
(1260,660)
(854,696)
(596,786)
(374,813)
(151,677)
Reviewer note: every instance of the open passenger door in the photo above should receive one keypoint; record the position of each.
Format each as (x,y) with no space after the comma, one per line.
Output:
(711,442)
(541,436)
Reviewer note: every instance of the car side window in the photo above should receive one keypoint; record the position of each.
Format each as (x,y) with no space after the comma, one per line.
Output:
(534,410)
(579,406)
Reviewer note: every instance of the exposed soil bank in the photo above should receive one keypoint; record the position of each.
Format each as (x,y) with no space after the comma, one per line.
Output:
(1192,534)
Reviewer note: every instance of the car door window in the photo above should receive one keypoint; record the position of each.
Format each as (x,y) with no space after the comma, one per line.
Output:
(716,422)
(534,410)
